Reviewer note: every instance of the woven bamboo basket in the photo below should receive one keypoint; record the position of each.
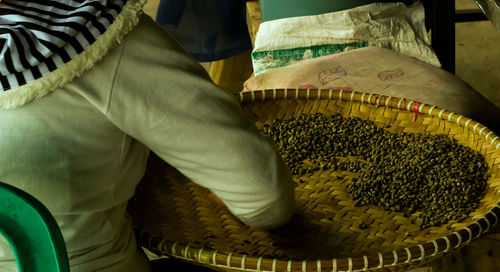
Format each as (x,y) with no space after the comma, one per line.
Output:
(175,217)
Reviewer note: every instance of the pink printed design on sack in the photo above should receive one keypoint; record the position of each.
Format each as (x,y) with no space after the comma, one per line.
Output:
(330,75)
(391,74)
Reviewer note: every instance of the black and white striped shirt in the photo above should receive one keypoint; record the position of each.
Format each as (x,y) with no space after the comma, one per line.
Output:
(39,36)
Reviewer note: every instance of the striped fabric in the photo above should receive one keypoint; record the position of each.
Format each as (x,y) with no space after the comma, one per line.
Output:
(39,36)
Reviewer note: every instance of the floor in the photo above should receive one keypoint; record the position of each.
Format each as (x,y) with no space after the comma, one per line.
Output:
(478,55)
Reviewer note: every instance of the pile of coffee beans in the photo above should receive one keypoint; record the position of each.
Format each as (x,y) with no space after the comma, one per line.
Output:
(401,172)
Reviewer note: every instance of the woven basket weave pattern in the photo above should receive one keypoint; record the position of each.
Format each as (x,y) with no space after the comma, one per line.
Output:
(325,233)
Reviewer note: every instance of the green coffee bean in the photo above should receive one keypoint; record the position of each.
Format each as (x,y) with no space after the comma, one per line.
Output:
(402,172)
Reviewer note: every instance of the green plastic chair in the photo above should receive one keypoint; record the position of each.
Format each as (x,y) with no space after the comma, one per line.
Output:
(32,232)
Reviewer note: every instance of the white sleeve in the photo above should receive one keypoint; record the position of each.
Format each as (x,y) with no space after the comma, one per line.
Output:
(163,98)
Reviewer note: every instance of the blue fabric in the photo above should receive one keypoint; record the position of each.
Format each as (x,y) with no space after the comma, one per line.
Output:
(209,30)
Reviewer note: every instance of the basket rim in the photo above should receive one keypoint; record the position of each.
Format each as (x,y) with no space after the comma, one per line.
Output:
(407,255)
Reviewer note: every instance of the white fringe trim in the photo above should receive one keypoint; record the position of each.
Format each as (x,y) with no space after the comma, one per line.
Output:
(123,24)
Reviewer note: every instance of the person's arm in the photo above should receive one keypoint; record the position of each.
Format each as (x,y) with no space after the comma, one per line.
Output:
(165,99)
